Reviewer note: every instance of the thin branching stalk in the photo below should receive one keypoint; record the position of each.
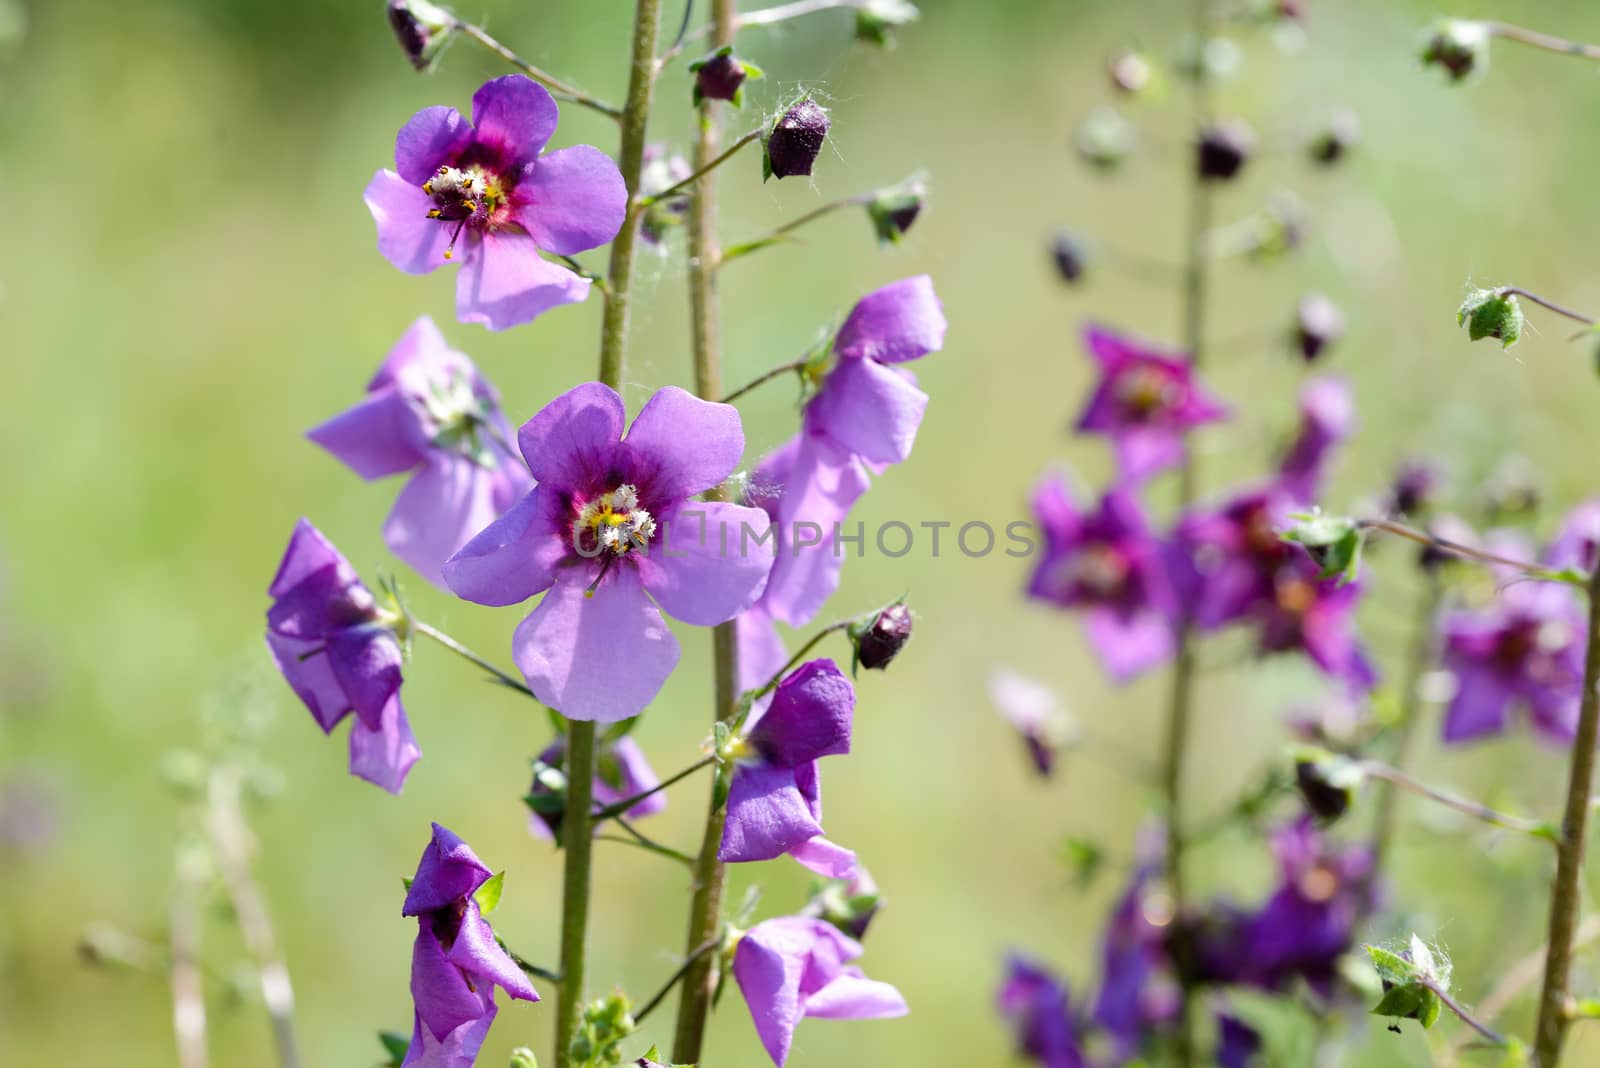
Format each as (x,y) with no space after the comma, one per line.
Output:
(705,906)
(558,88)
(744,248)
(701,171)
(676,977)
(800,654)
(230,846)
(765,377)
(621,807)
(577,834)
(1566,894)
(1514,982)
(1467,552)
(1395,777)
(1548,305)
(184,973)
(1484,1031)
(1549,42)
(504,678)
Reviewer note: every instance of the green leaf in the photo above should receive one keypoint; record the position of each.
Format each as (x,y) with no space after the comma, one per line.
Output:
(1428,1012)
(488,895)
(1391,966)
(407,881)
(395,1045)
(1084,857)
(1334,542)
(1491,313)
(1403,1002)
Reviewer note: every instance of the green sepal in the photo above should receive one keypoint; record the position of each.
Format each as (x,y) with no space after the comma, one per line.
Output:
(395,1045)
(488,895)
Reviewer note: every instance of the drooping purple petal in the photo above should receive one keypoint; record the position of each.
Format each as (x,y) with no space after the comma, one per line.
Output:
(852,996)
(448,870)
(767,815)
(504,282)
(476,952)
(443,998)
(407,238)
(710,563)
(309,675)
(761,650)
(828,859)
(375,438)
(822,487)
(575,200)
(515,115)
(768,965)
(810,716)
(901,321)
(870,409)
(384,756)
(366,661)
(512,558)
(458,1049)
(440,509)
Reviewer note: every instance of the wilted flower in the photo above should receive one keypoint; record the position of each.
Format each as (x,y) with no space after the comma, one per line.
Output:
(621,771)
(794,967)
(485,186)
(1223,149)
(1107,563)
(456,962)
(423,30)
(1035,711)
(795,141)
(1327,417)
(429,413)
(1318,323)
(1146,402)
(596,647)
(775,797)
(338,650)
(1034,1002)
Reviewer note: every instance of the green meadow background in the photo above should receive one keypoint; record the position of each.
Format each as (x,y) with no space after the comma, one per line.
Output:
(190,281)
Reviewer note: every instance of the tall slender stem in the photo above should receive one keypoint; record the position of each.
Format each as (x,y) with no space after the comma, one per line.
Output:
(577,836)
(705,908)
(1181,698)
(1418,660)
(1566,895)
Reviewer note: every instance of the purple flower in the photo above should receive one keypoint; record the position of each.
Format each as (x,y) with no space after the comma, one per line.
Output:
(1316,616)
(337,649)
(1327,417)
(1138,994)
(1109,564)
(620,773)
(863,417)
(1525,650)
(1237,1042)
(775,798)
(429,413)
(1034,1001)
(1576,544)
(1146,401)
(456,962)
(1035,711)
(795,966)
(1228,557)
(849,904)
(611,531)
(483,186)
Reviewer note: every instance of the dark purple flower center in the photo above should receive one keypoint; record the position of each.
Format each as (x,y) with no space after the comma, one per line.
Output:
(611,524)
(473,190)
(1098,572)
(1145,392)
(446,922)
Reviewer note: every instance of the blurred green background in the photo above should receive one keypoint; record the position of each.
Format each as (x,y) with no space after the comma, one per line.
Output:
(193,282)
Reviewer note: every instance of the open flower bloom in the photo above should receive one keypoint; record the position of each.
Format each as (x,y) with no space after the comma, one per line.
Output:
(456,962)
(1034,1001)
(1578,542)
(1036,712)
(1227,557)
(1138,994)
(430,413)
(1146,401)
(775,798)
(481,194)
(611,531)
(337,649)
(1107,563)
(1523,651)
(1316,616)
(796,966)
(1327,418)
(863,418)
(621,772)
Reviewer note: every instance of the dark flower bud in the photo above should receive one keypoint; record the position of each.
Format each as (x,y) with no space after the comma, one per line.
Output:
(1129,71)
(795,141)
(1071,256)
(1337,138)
(423,30)
(1224,148)
(547,797)
(1327,783)
(1492,313)
(1104,139)
(1460,46)
(721,76)
(880,638)
(1416,483)
(876,20)
(894,209)
(1318,324)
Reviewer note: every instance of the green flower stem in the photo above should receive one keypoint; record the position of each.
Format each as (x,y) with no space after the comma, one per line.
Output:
(626,803)
(761,380)
(772,683)
(1467,552)
(1484,1031)
(577,835)
(1534,828)
(1548,42)
(635,837)
(666,988)
(745,248)
(1549,305)
(701,170)
(560,89)
(509,681)
(1566,894)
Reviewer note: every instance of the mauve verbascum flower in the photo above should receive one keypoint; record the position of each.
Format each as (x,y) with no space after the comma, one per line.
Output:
(481,194)
(428,412)
(1107,563)
(612,531)
(1035,1004)
(456,962)
(796,966)
(775,796)
(1327,418)
(1146,402)
(621,772)
(338,651)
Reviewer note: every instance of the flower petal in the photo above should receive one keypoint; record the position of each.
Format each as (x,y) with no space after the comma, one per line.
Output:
(574,435)
(870,409)
(516,115)
(1480,705)
(384,757)
(376,438)
(681,445)
(575,200)
(902,321)
(308,674)
(810,717)
(768,972)
(761,650)
(1129,643)
(600,658)
(447,870)
(440,509)
(431,138)
(406,236)
(711,562)
(475,951)
(366,661)
(513,557)
(504,282)
(823,486)
(458,1049)
(308,552)
(767,815)
(827,859)
(439,991)
(852,996)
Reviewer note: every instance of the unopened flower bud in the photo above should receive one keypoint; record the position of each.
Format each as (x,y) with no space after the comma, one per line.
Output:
(880,639)
(1224,148)
(894,209)
(1129,71)
(1460,46)
(1416,483)
(1104,138)
(1071,256)
(795,141)
(848,904)
(423,30)
(1318,324)
(1337,138)
(1492,313)
(523,1058)
(1327,783)
(876,20)
(721,76)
